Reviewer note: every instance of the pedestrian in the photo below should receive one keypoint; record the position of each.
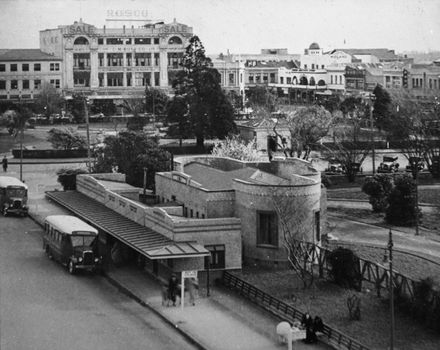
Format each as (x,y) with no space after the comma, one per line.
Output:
(191,286)
(5,164)
(173,284)
(307,323)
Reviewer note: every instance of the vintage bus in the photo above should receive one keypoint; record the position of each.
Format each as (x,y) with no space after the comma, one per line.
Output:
(72,242)
(13,196)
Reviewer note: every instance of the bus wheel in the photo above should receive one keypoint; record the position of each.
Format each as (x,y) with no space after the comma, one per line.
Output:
(71,267)
(48,253)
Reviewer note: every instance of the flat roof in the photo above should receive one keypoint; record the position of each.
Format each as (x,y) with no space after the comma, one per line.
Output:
(26,55)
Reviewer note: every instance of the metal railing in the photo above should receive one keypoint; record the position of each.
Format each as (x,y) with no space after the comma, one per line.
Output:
(278,307)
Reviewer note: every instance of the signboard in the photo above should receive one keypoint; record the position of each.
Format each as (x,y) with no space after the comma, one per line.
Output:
(189,274)
(186,274)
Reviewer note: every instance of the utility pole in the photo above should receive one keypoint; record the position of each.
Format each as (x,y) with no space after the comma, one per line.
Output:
(373,150)
(86,109)
(391,289)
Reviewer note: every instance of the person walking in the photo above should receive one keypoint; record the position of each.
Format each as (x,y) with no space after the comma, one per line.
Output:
(191,286)
(173,284)
(5,164)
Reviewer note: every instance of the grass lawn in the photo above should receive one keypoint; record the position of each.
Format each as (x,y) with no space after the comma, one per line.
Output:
(329,302)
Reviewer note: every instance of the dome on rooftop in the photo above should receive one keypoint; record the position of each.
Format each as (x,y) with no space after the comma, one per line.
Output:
(314,46)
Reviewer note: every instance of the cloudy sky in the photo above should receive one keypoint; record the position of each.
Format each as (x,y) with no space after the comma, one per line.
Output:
(246,26)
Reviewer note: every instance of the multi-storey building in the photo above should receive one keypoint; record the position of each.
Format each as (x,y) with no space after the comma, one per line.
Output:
(116,63)
(23,71)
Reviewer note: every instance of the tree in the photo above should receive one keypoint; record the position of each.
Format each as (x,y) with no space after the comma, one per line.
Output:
(17,119)
(178,118)
(296,229)
(66,139)
(402,209)
(77,107)
(347,148)
(156,101)
(235,148)
(210,112)
(135,107)
(378,188)
(262,97)
(48,100)
(307,126)
(236,100)
(128,153)
(382,108)
(414,128)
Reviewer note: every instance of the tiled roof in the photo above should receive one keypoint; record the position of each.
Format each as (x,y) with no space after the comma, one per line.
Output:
(142,239)
(26,55)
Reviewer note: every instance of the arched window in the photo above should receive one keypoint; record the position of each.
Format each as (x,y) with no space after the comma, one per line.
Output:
(321,82)
(303,81)
(295,81)
(312,81)
(175,40)
(81,41)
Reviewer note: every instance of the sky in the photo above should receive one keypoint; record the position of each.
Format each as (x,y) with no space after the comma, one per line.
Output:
(245,26)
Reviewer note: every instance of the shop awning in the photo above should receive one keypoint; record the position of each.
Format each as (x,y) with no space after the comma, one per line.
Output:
(144,240)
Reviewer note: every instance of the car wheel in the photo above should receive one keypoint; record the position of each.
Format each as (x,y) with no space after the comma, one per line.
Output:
(5,212)
(71,267)
(48,253)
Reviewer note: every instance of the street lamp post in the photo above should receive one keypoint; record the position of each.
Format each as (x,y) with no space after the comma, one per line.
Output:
(86,109)
(391,288)
(373,150)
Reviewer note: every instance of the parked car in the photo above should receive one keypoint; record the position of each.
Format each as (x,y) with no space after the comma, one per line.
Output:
(334,167)
(415,163)
(388,165)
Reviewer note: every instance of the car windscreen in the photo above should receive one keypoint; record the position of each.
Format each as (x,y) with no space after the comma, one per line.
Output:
(19,192)
(81,240)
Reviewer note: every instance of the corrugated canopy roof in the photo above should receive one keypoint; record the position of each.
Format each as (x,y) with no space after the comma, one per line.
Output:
(144,240)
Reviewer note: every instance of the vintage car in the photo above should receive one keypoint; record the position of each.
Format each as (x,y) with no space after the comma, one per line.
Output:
(388,165)
(334,167)
(415,163)
(13,196)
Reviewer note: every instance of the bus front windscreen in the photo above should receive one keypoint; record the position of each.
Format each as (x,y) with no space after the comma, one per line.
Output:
(78,241)
(18,192)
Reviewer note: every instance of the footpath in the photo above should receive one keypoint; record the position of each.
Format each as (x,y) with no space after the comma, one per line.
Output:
(221,321)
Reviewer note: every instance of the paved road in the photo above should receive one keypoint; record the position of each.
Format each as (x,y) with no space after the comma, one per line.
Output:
(43,307)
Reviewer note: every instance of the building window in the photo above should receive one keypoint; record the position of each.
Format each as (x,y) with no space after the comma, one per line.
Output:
(101,59)
(14,84)
(2,67)
(128,58)
(54,66)
(56,83)
(114,79)
(322,66)
(267,228)
(251,79)
(217,257)
(175,59)
(156,79)
(25,84)
(258,79)
(191,213)
(81,60)
(101,79)
(282,80)
(305,66)
(156,41)
(13,67)
(231,79)
(142,59)
(25,67)
(331,79)
(265,78)
(313,66)
(115,59)
(2,84)
(81,41)
(289,80)
(175,40)
(100,41)
(142,41)
(37,84)
(115,41)
(272,78)
(340,80)
(317,226)
(156,59)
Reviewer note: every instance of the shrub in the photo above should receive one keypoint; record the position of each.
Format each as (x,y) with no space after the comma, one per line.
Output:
(67,178)
(378,187)
(345,269)
(402,206)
